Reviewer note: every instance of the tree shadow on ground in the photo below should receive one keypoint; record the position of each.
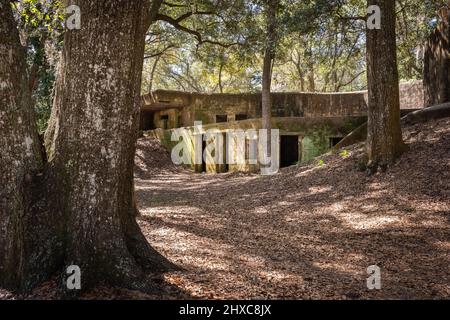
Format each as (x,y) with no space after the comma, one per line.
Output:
(309,232)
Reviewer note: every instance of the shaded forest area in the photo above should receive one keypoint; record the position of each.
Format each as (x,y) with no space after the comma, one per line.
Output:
(80,186)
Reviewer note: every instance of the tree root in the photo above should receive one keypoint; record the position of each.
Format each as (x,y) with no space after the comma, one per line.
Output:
(147,257)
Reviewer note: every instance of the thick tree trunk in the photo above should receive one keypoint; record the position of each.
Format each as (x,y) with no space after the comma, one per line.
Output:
(92,142)
(384,141)
(269,56)
(79,209)
(437,63)
(28,240)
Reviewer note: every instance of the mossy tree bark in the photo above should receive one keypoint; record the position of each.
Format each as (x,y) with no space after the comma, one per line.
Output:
(436,77)
(87,187)
(384,138)
(20,157)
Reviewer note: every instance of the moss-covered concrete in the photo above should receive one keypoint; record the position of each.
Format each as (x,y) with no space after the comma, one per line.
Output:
(314,136)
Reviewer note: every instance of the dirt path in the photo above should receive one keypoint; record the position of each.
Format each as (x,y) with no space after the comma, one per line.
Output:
(306,233)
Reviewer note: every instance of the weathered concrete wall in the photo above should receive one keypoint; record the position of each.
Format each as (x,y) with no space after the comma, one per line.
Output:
(314,136)
(315,118)
(173,119)
(205,107)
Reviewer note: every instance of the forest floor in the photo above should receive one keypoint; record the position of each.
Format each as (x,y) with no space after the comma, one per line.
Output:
(309,232)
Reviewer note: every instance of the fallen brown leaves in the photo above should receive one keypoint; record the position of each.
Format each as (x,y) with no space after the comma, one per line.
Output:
(306,233)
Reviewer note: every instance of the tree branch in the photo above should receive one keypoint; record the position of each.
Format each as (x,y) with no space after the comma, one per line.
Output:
(176,24)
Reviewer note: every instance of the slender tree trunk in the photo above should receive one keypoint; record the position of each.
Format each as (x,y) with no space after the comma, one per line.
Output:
(220,76)
(300,73)
(269,56)
(437,63)
(152,74)
(266,90)
(311,80)
(384,141)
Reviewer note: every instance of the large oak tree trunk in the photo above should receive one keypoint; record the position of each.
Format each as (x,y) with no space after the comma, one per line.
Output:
(20,157)
(437,63)
(384,141)
(92,142)
(79,209)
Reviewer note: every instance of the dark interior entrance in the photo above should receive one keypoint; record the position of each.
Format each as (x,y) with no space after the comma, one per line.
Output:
(203,155)
(288,151)
(165,121)
(147,121)
(221,118)
(334,141)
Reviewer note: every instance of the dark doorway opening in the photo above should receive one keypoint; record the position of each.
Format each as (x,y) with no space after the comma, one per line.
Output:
(226,166)
(165,121)
(146,121)
(334,141)
(203,170)
(221,118)
(288,151)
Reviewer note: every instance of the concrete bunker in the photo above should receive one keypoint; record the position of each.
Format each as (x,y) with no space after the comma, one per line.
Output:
(309,123)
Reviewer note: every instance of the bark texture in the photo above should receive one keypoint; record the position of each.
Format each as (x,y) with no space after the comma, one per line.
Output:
(92,138)
(384,139)
(77,209)
(20,157)
(30,240)
(437,63)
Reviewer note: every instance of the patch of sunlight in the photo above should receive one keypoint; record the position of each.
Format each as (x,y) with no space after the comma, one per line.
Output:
(320,189)
(308,172)
(174,211)
(252,261)
(286,203)
(364,220)
(192,250)
(348,267)
(361,221)
(337,207)
(435,222)
(429,207)
(370,208)
(261,210)
(444,245)
(273,275)
(206,263)
(162,232)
